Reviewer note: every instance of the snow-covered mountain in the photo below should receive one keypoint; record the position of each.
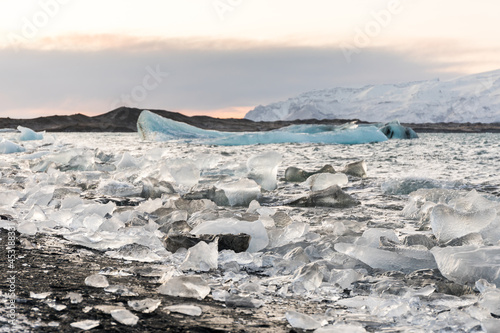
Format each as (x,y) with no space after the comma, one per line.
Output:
(473,98)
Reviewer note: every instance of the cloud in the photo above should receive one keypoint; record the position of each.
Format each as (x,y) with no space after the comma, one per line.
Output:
(203,74)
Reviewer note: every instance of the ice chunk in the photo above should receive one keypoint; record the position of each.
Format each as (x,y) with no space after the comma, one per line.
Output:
(344,328)
(201,257)
(36,214)
(371,237)
(386,260)
(302,321)
(135,252)
(263,169)
(125,317)
(394,130)
(294,174)
(97,281)
(85,325)
(9,198)
(408,185)
(259,238)
(28,134)
(126,162)
(241,192)
(40,295)
(119,189)
(235,301)
(75,298)
(185,309)
(120,290)
(291,233)
(356,169)
(185,172)
(332,196)
(185,286)
(490,325)
(27,228)
(323,181)
(308,278)
(467,264)
(448,223)
(154,127)
(344,277)
(147,305)
(9,147)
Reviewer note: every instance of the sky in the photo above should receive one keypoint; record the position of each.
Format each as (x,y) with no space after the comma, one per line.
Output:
(224,57)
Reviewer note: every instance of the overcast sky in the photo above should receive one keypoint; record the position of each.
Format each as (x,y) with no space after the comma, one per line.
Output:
(224,57)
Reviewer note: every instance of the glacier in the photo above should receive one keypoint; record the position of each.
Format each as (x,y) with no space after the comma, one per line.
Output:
(472,98)
(153,127)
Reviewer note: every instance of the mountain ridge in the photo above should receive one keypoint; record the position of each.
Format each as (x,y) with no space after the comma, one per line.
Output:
(473,98)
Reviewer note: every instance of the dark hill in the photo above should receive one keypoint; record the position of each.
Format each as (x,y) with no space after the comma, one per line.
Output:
(124,119)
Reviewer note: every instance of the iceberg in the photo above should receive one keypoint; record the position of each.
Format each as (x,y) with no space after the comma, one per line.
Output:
(153,127)
(27,134)
(394,130)
(9,147)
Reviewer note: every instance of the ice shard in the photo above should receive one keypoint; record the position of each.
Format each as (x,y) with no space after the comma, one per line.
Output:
(467,264)
(263,169)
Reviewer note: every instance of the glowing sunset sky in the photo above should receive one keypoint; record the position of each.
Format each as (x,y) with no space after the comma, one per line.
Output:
(224,57)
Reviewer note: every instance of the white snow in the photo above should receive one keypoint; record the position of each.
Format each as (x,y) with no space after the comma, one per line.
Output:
(473,98)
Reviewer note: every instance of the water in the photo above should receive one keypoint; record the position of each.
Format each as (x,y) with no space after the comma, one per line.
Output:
(57,187)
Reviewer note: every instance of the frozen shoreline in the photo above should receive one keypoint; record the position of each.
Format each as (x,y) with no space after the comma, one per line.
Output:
(67,176)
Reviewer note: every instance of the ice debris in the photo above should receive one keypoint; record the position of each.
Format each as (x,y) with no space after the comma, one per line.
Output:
(332,196)
(296,175)
(448,223)
(258,233)
(323,181)
(185,286)
(405,261)
(201,257)
(97,281)
(125,317)
(147,305)
(9,147)
(185,309)
(356,169)
(236,301)
(263,168)
(467,264)
(241,192)
(86,325)
(302,321)
(157,128)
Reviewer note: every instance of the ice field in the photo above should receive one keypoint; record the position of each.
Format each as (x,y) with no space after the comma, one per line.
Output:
(413,245)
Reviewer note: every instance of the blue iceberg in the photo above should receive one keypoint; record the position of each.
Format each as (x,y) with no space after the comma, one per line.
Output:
(27,134)
(9,147)
(153,127)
